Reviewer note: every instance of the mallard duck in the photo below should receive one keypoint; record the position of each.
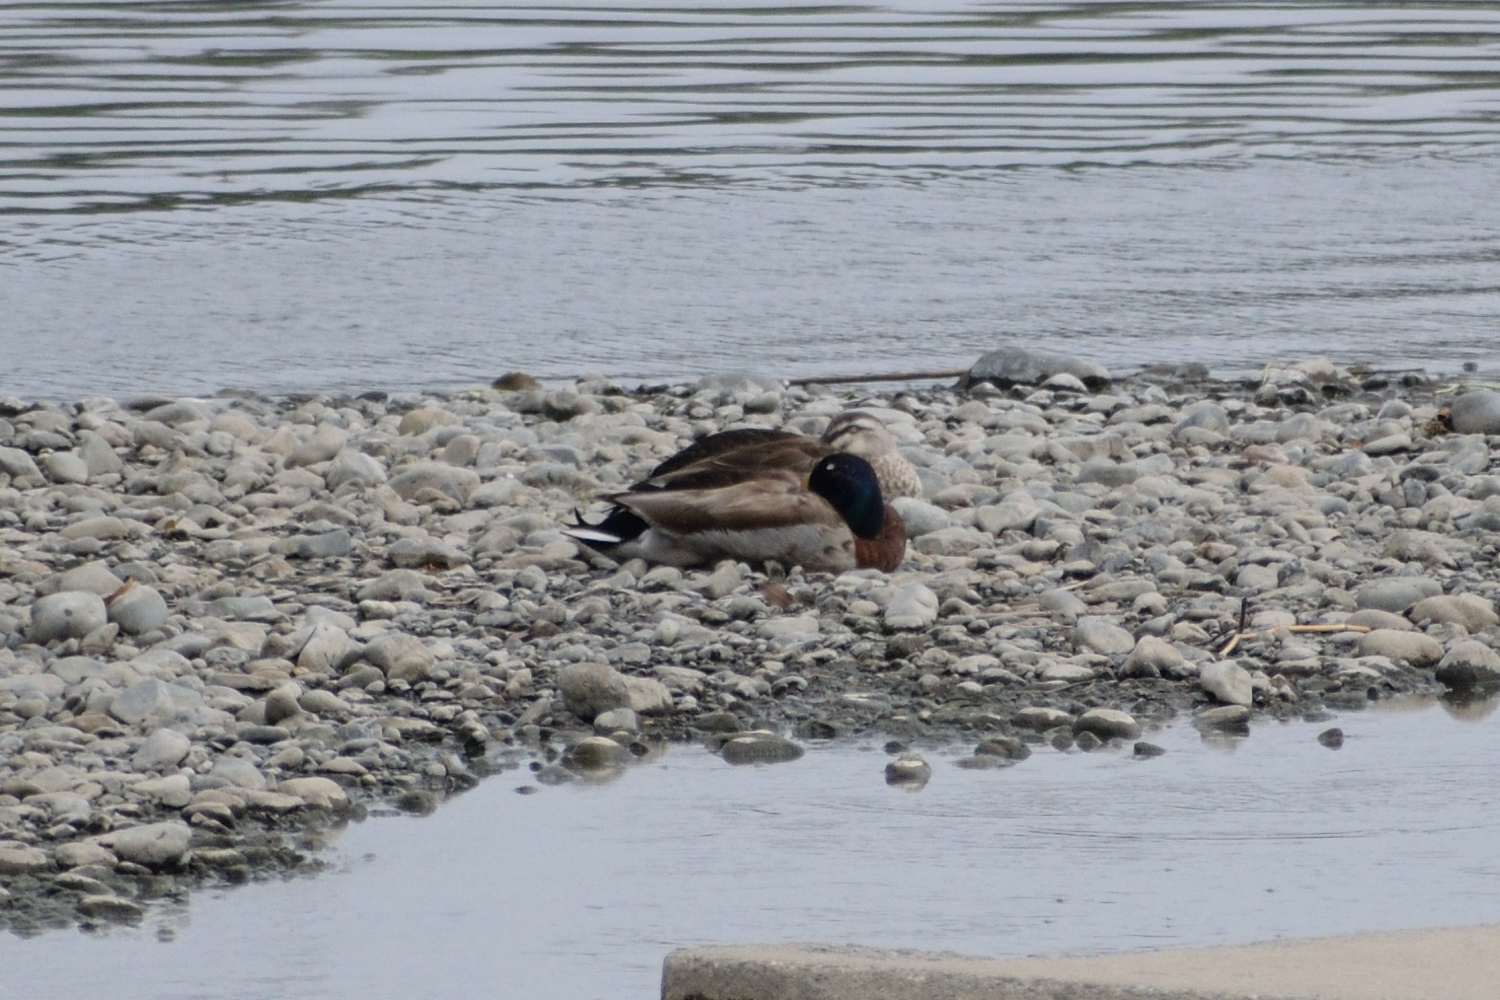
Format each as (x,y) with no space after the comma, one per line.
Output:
(709,508)
(753,449)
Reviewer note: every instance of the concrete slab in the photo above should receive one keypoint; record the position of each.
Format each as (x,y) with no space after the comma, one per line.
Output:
(1445,964)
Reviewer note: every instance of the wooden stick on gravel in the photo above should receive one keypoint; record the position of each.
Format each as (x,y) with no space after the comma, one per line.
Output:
(1234,640)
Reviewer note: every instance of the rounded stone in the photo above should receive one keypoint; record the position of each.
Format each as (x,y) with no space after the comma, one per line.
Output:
(596,753)
(1228,718)
(323,703)
(1469,664)
(424,419)
(154,700)
(1102,636)
(1415,648)
(1396,594)
(282,703)
(239,772)
(163,749)
(77,853)
(920,517)
(1014,365)
(153,845)
(1062,603)
(319,793)
(1107,724)
(1007,747)
(20,860)
(325,650)
(140,609)
(1228,682)
(789,627)
(66,467)
(591,688)
(760,748)
(446,479)
(94,576)
(1152,657)
(402,657)
(1473,612)
(98,455)
(913,606)
(648,696)
(323,445)
(68,614)
(909,769)
(1476,412)
(354,467)
(615,720)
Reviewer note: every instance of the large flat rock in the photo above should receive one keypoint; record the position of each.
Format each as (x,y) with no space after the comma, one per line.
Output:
(1447,964)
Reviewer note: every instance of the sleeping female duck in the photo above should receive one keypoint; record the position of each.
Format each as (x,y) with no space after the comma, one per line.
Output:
(716,506)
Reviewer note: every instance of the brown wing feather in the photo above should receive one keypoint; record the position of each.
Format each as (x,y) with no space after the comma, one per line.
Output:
(717,444)
(794,454)
(774,500)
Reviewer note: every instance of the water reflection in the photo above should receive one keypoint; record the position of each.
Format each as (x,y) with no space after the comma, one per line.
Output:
(579,890)
(1470,706)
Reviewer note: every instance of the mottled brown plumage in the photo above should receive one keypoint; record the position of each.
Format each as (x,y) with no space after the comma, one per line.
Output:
(745,452)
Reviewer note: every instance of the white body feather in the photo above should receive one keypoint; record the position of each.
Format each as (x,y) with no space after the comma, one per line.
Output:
(813,547)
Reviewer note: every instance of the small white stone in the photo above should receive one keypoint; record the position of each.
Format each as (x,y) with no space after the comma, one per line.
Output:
(914,606)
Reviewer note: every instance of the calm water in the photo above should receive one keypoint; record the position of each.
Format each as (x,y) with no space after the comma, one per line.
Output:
(356,194)
(578,892)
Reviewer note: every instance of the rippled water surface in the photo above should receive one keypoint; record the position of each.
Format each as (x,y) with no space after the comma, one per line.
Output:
(579,891)
(354,194)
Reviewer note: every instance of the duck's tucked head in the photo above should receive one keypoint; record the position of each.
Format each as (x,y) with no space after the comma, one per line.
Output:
(859,433)
(850,485)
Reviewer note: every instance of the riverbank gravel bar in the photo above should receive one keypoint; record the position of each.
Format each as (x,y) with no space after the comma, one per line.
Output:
(231,624)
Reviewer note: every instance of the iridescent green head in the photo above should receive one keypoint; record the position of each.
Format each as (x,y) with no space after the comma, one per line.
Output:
(850,485)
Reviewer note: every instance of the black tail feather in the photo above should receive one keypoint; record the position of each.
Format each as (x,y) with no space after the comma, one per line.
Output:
(622,523)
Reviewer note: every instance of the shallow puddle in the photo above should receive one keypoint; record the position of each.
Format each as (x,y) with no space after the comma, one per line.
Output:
(579,891)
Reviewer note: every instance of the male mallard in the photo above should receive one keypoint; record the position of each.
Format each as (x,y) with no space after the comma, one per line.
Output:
(702,510)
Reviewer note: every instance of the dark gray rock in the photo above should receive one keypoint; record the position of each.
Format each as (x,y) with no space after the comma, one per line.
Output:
(1021,366)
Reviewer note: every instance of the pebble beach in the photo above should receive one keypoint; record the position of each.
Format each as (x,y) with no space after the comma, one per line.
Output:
(232,624)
